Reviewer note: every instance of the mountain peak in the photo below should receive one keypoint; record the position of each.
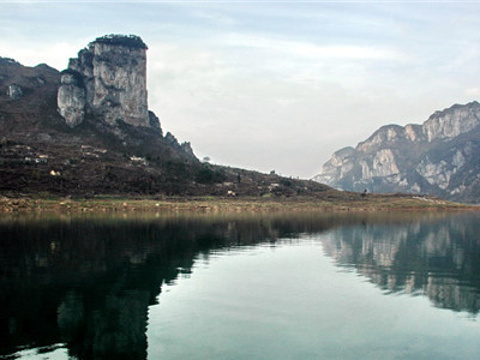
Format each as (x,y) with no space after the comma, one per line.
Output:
(452,122)
(439,157)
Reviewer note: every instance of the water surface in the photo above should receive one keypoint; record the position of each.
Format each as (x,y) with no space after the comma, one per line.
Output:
(287,286)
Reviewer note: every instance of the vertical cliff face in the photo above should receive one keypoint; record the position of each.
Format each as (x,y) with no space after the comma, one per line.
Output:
(108,82)
(452,122)
(71,98)
(439,157)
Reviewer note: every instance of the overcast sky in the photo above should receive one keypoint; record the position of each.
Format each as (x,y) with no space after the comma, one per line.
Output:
(272,85)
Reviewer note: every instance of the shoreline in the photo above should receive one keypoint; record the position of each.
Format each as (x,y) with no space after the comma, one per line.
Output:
(210,204)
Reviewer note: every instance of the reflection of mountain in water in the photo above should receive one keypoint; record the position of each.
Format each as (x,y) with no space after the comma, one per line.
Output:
(438,259)
(89,283)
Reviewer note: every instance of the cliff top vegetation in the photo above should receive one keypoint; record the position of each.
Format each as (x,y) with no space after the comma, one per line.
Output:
(132,41)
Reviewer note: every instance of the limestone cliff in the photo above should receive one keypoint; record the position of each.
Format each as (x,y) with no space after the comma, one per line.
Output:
(106,81)
(88,129)
(439,157)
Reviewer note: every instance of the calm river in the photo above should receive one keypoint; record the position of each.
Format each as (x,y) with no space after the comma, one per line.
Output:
(324,286)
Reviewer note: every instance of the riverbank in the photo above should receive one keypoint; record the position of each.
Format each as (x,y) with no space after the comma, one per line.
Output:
(328,202)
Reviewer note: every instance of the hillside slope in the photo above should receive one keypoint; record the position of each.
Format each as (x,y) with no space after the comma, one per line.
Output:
(439,157)
(87,130)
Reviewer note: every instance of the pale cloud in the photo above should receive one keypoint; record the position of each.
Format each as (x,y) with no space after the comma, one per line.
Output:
(216,17)
(312,51)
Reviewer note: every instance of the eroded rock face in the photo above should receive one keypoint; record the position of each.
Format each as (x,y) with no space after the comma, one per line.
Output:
(382,164)
(452,122)
(71,98)
(108,81)
(439,157)
(14,92)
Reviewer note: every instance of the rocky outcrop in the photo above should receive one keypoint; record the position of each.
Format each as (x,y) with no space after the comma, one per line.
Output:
(107,81)
(71,98)
(452,122)
(438,157)
(14,92)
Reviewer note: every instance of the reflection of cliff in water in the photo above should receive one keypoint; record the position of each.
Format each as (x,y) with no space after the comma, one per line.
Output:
(88,283)
(437,259)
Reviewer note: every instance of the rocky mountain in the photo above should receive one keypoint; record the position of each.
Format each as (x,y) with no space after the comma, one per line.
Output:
(439,157)
(107,79)
(87,130)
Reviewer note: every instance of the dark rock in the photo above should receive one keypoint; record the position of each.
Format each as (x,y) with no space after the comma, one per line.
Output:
(154,122)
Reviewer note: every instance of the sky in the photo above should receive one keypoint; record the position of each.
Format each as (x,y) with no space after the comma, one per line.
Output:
(271,85)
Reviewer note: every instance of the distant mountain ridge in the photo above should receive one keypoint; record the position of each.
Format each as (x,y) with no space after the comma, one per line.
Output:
(439,157)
